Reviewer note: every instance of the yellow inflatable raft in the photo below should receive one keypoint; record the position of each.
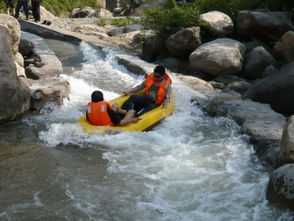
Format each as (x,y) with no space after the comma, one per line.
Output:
(147,121)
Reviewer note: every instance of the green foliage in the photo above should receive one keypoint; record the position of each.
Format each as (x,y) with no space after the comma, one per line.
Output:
(170,18)
(231,7)
(118,21)
(64,7)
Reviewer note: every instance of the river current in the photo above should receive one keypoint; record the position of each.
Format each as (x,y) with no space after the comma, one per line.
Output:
(190,167)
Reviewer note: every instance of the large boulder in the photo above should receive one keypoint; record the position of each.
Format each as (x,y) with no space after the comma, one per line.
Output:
(220,23)
(280,190)
(82,12)
(14,30)
(221,56)
(14,94)
(152,47)
(183,42)
(276,90)
(256,61)
(287,144)
(101,13)
(264,26)
(284,48)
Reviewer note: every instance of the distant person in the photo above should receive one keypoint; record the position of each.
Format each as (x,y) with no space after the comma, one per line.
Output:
(157,90)
(100,113)
(24,4)
(10,7)
(36,10)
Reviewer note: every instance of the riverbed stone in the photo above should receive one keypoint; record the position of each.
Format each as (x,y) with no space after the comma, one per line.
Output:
(192,81)
(287,144)
(280,190)
(218,57)
(14,93)
(49,91)
(239,86)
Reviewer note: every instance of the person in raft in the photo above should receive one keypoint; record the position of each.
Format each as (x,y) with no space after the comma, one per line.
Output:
(157,90)
(100,113)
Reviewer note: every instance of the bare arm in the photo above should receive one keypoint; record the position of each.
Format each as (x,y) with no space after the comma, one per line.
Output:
(135,89)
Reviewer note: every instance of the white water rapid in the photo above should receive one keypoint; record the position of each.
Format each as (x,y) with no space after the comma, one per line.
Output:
(191,167)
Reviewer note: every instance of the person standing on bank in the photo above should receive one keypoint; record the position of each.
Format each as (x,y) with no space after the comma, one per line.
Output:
(24,4)
(10,7)
(157,90)
(36,10)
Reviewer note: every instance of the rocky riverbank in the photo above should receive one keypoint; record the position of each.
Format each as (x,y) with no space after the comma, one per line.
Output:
(229,77)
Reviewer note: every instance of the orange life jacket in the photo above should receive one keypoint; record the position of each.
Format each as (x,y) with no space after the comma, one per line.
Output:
(97,113)
(161,87)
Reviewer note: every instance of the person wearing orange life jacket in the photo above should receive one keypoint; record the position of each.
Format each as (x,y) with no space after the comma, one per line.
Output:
(100,113)
(157,89)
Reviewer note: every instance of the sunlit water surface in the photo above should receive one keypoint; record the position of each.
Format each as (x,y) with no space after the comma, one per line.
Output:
(190,167)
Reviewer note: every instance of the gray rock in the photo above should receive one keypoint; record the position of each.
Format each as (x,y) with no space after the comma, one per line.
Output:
(82,12)
(218,57)
(26,47)
(259,121)
(217,85)
(183,42)
(276,90)
(14,30)
(256,62)
(100,13)
(152,47)
(52,91)
(14,94)
(260,24)
(221,23)
(287,145)
(280,190)
(239,86)
(284,48)
(133,27)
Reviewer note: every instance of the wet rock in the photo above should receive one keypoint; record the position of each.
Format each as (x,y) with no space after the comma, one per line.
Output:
(116,31)
(280,190)
(259,121)
(52,91)
(287,145)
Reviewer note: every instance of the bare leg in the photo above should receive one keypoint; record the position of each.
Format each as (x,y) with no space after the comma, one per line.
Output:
(129,118)
(118,110)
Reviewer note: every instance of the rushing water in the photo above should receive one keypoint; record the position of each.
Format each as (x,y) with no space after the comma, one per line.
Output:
(190,167)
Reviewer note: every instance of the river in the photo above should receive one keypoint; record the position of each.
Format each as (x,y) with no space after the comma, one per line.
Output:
(190,167)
